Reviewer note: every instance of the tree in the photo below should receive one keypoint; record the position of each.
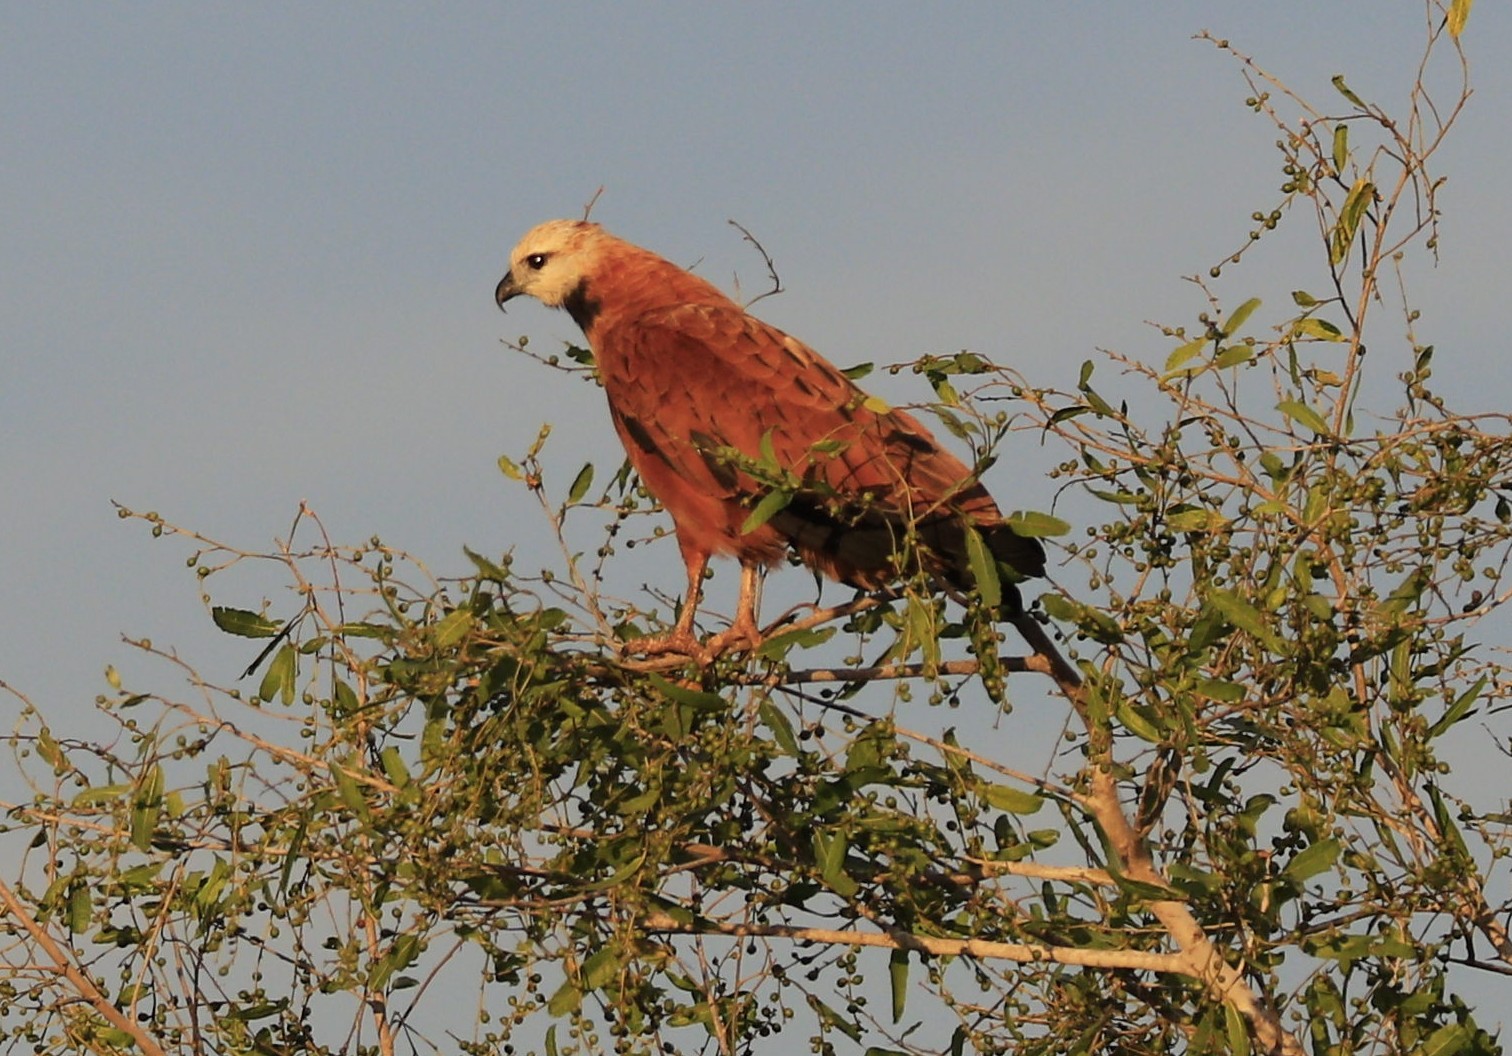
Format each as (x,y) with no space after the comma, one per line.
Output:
(451,795)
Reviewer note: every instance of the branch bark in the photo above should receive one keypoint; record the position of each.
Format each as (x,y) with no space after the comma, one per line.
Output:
(1198,958)
(76,977)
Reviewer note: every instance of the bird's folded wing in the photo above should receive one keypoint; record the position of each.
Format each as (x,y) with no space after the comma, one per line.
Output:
(694,385)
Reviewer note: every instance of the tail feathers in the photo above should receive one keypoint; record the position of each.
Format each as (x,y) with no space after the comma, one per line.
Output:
(1019,552)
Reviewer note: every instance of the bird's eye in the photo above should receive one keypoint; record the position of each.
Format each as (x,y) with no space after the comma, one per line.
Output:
(537,261)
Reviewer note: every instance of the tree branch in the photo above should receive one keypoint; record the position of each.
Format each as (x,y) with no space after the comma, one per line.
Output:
(77,977)
(981,949)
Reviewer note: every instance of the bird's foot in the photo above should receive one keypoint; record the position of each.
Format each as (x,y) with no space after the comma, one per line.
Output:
(673,643)
(743,636)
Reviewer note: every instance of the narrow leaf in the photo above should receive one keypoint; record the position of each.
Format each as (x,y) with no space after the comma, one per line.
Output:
(567,999)
(1244,311)
(1184,353)
(1360,196)
(452,628)
(1002,797)
(897,974)
(773,718)
(1317,858)
(243,623)
(1338,82)
(1459,709)
(771,504)
(1237,1030)
(278,680)
(1036,525)
(1300,412)
(1321,329)
(1247,618)
(581,483)
(983,569)
(1340,146)
(602,967)
(1233,356)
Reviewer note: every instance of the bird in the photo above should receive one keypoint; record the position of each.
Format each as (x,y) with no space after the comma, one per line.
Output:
(718,410)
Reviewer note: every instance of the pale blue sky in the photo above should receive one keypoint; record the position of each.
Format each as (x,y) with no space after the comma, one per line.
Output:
(247,252)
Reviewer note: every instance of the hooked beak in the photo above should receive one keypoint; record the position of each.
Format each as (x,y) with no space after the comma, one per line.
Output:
(506,289)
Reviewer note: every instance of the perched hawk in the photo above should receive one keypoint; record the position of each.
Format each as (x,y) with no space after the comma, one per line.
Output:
(717,409)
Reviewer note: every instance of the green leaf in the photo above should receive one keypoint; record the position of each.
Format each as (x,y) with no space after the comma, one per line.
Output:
(859,371)
(1098,405)
(260,1010)
(1137,721)
(1034,525)
(348,790)
(983,569)
(771,504)
(243,623)
(1451,1038)
(567,999)
(1303,299)
(694,698)
(774,719)
(1194,519)
(48,748)
(1459,709)
(1246,618)
(1183,353)
(897,974)
(1298,411)
(147,809)
(402,954)
(452,628)
(1359,199)
(1406,593)
(830,1018)
(363,630)
(291,854)
(1237,1029)
(945,391)
(1317,858)
(79,907)
(1314,327)
(278,681)
(510,469)
(1340,146)
(1002,797)
(1338,82)
(393,766)
(1233,356)
(778,646)
(829,854)
(581,483)
(1243,312)
(601,968)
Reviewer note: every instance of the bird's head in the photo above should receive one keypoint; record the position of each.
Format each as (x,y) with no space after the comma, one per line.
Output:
(551,263)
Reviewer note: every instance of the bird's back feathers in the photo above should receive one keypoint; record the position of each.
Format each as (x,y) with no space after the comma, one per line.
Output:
(717,408)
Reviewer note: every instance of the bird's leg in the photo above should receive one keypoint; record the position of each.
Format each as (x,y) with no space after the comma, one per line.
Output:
(745,632)
(681,638)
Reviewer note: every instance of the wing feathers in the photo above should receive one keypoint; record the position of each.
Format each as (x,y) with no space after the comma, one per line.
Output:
(698,390)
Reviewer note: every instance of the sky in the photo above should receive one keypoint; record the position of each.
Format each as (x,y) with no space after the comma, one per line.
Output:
(247,252)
